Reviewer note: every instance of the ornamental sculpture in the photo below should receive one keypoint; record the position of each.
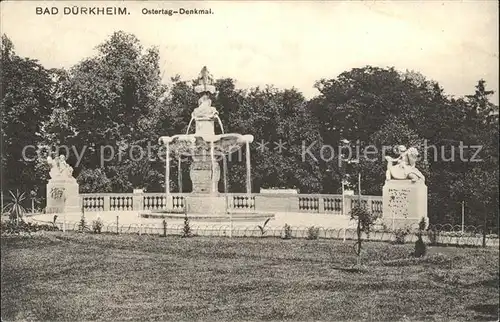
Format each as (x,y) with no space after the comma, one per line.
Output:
(205,86)
(59,168)
(403,167)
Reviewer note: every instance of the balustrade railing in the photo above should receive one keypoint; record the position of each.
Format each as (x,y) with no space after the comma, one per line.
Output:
(301,203)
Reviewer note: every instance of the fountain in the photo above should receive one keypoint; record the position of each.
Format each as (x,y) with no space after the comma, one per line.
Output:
(205,149)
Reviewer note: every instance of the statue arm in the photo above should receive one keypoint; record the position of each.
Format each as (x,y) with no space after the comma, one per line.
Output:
(391,159)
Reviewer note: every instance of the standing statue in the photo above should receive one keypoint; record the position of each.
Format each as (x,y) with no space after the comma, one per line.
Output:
(403,167)
(59,168)
(205,86)
(205,82)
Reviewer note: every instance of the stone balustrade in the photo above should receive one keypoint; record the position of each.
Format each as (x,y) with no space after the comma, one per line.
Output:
(298,203)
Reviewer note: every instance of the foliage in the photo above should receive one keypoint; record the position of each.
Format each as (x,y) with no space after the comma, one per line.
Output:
(93,181)
(26,102)
(262,228)
(164,224)
(11,227)
(400,235)
(365,220)
(186,229)
(312,233)
(82,224)
(287,232)
(14,208)
(420,247)
(97,226)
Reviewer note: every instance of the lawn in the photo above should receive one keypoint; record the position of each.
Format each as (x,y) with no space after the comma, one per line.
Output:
(51,276)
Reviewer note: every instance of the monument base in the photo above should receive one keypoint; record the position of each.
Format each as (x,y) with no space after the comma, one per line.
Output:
(62,196)
(404,204)
(206,204)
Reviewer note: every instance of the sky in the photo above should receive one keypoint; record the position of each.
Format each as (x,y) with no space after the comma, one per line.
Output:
(284,43)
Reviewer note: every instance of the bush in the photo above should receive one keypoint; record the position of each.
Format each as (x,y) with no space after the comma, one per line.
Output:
(263,227)
(420,247)
(366,218)
(186,230)
(287,232)
(14,208)
(312,233)
(94,180)
(13,227)
(97,226)
(400,235)
(82,224)
(164,228)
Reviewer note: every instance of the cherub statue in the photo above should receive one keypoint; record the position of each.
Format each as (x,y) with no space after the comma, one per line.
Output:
(403,167)
(59,167)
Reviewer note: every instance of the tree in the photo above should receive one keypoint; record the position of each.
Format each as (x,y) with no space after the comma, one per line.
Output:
(375,107)
(364,223)
(26,101)
(108,108)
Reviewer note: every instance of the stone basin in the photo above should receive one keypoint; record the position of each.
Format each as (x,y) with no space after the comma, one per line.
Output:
(236,216)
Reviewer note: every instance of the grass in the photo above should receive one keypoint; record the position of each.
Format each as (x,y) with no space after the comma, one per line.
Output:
(51,276)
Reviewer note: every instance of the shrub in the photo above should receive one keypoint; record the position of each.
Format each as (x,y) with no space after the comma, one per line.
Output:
(13,227)
(94,180)
(82,224)
(164,228)
(288,232)
(312,233)
(14,208)
(365,218)
(420,247)
(186,230)
(262,228)
(97,226)
(400,235)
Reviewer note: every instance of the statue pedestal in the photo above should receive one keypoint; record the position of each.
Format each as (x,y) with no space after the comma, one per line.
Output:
(201,175)
(204,127)
(404,203)
(62,196)
(208,204)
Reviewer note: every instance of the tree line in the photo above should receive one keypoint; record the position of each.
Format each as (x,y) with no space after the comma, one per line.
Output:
(117,98)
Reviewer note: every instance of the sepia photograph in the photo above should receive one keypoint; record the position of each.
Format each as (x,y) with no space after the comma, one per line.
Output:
(249,160)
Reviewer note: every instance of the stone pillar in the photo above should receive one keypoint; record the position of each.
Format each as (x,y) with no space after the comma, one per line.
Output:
(249,170)
(138,199)
(179,173)
(404,203)
(213,179)
(167,170)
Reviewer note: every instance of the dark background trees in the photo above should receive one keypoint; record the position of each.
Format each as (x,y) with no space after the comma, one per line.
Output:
(116,98)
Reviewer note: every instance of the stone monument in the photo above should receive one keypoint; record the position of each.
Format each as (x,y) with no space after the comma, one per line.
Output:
(404,192)
(206,149)
(62,188)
